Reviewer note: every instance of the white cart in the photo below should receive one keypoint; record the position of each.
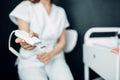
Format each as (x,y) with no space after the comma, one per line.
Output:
(97,54)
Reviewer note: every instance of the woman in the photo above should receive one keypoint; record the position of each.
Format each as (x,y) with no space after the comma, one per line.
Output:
(48,22)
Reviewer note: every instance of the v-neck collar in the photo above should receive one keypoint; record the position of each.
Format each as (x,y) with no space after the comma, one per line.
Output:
(45,11)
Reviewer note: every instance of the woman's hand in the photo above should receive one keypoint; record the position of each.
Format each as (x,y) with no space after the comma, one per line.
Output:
(24,44)
(44,57)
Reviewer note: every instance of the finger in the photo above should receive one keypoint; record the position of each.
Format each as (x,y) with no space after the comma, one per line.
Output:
(19,40)
(30,48)
(23,44)
(46,61)
(27,46)
(43,55)
(31,34)
(39,56)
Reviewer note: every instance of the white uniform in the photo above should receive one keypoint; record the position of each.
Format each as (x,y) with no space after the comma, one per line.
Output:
(49,29)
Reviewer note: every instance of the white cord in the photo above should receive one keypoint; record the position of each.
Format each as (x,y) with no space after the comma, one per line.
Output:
(11,48)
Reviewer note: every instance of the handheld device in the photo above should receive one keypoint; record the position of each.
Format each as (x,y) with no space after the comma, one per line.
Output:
(30,40)
(24,35)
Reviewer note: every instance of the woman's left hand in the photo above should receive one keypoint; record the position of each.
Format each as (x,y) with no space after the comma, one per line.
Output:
(44,57)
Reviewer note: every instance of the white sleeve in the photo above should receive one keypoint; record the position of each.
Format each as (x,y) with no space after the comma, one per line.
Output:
(65,20)
(21,11)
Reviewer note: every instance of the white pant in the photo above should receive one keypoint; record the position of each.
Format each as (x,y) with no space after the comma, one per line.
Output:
(55,70)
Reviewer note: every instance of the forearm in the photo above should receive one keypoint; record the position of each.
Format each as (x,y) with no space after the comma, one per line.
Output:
(22,25)
(60,45)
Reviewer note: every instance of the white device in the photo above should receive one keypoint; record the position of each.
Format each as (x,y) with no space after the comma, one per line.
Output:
(24,35)
(99,58)
(30,40)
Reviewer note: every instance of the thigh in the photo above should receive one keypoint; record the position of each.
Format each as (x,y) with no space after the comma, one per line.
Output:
(32,73)
(59,70)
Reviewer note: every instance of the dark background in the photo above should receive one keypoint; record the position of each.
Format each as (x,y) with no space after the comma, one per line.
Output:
(82,15)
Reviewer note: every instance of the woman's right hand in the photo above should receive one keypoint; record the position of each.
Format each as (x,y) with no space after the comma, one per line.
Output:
(24,44)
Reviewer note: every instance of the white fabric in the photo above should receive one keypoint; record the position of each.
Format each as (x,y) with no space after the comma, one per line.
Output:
(55,70)
(49,29)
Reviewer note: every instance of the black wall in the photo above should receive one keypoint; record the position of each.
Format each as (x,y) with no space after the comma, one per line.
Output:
(82,15)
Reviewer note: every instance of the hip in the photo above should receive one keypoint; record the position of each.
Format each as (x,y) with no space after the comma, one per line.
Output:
(34,62)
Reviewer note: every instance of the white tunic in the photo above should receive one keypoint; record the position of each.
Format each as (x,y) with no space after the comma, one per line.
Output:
(48,27)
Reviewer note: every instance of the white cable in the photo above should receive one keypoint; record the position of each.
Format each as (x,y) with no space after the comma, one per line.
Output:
(11,48)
